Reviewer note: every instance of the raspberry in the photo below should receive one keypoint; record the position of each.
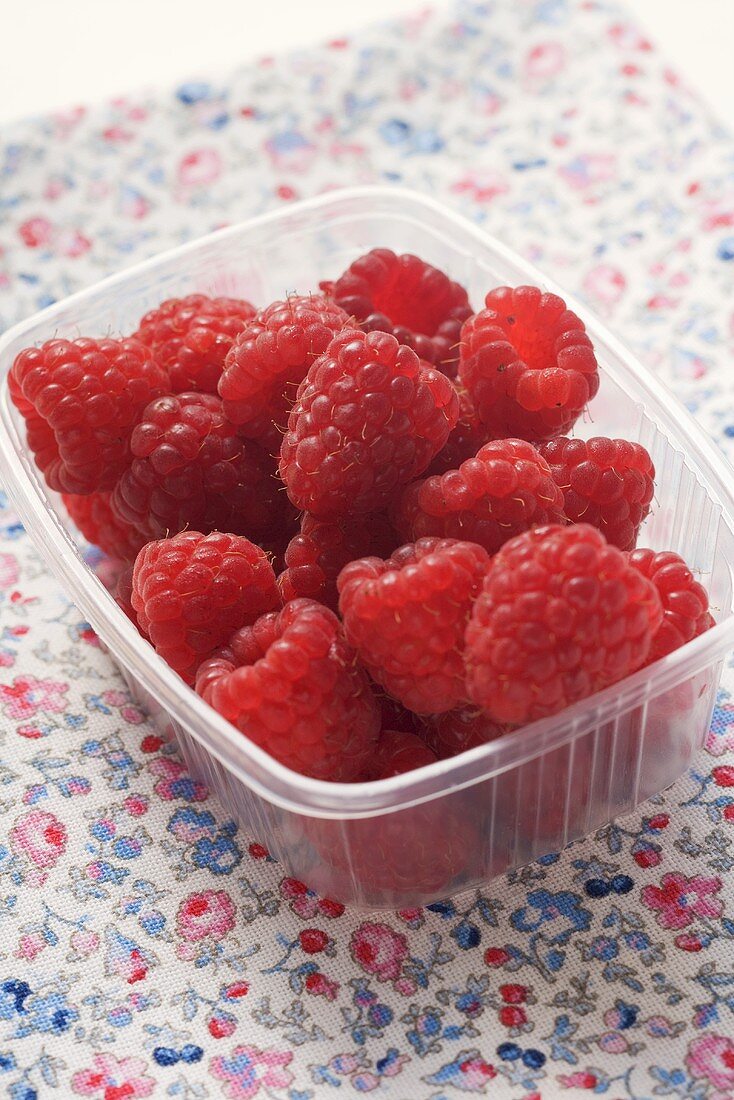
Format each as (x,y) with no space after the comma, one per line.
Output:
(685,601)
(413,301)
(605,482)
(464,441)
(505,490)
(192,591)
(459,730)
(95,518)
(270,358)
(561,615)
(527,363)
(398,752)
(191,469)
(368,418)
(290,683)
(398,859)
(86,397)
(321,549)
(558,795)
(124,595)
(39,433)
(406,618)
(190,338)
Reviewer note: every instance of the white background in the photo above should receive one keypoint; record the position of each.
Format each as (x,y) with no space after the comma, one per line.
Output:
(62,52)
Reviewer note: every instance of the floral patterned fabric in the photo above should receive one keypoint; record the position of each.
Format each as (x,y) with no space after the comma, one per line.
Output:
(148,947)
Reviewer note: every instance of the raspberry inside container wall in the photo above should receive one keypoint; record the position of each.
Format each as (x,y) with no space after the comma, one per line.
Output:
(456,716)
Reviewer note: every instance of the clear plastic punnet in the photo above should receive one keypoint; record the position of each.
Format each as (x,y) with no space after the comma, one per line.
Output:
(412,839)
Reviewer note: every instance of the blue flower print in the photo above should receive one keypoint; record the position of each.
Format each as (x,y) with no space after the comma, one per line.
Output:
(13,995)
(220,856)
(545,909)
(468,1072)
(189,825)
(48,1013)
(193,91)
(21,1090)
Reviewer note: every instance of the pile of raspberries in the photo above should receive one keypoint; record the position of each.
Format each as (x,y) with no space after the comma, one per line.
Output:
(354,521)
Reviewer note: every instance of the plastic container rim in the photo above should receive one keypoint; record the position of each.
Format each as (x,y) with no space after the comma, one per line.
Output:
(241,757)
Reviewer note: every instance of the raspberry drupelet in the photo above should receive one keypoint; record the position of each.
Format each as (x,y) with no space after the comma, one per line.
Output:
(506,489)
(459,730)
(270,358)
(291,683)
(39,434)
(191,592)
(407,297)
(190,468)
(317,554)
(190,338)
(685,602)
(406,618)
(608,483)
(82,399)
(527,363)
(368,418)
(398,752)
(561,615)
(98,522)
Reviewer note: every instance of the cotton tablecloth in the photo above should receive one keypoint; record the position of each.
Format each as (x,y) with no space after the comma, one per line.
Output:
(148,946)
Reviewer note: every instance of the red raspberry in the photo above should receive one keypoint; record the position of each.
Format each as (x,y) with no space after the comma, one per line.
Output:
(561,615)
(527,363)
(124,595)
(459,730)
(290,683)
(39,433)
(95,518)
(506,489)
(270,358)
(276,542)
(464,441)
(190,338)
(368,418)
(398,752)
(192,591)
(685,601)
(417,853)
(413,301)
(191,469)
(321,549)
(87,395)
(605,482)
(406,618)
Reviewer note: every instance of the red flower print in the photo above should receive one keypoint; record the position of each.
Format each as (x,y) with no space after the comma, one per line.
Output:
(678,899)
